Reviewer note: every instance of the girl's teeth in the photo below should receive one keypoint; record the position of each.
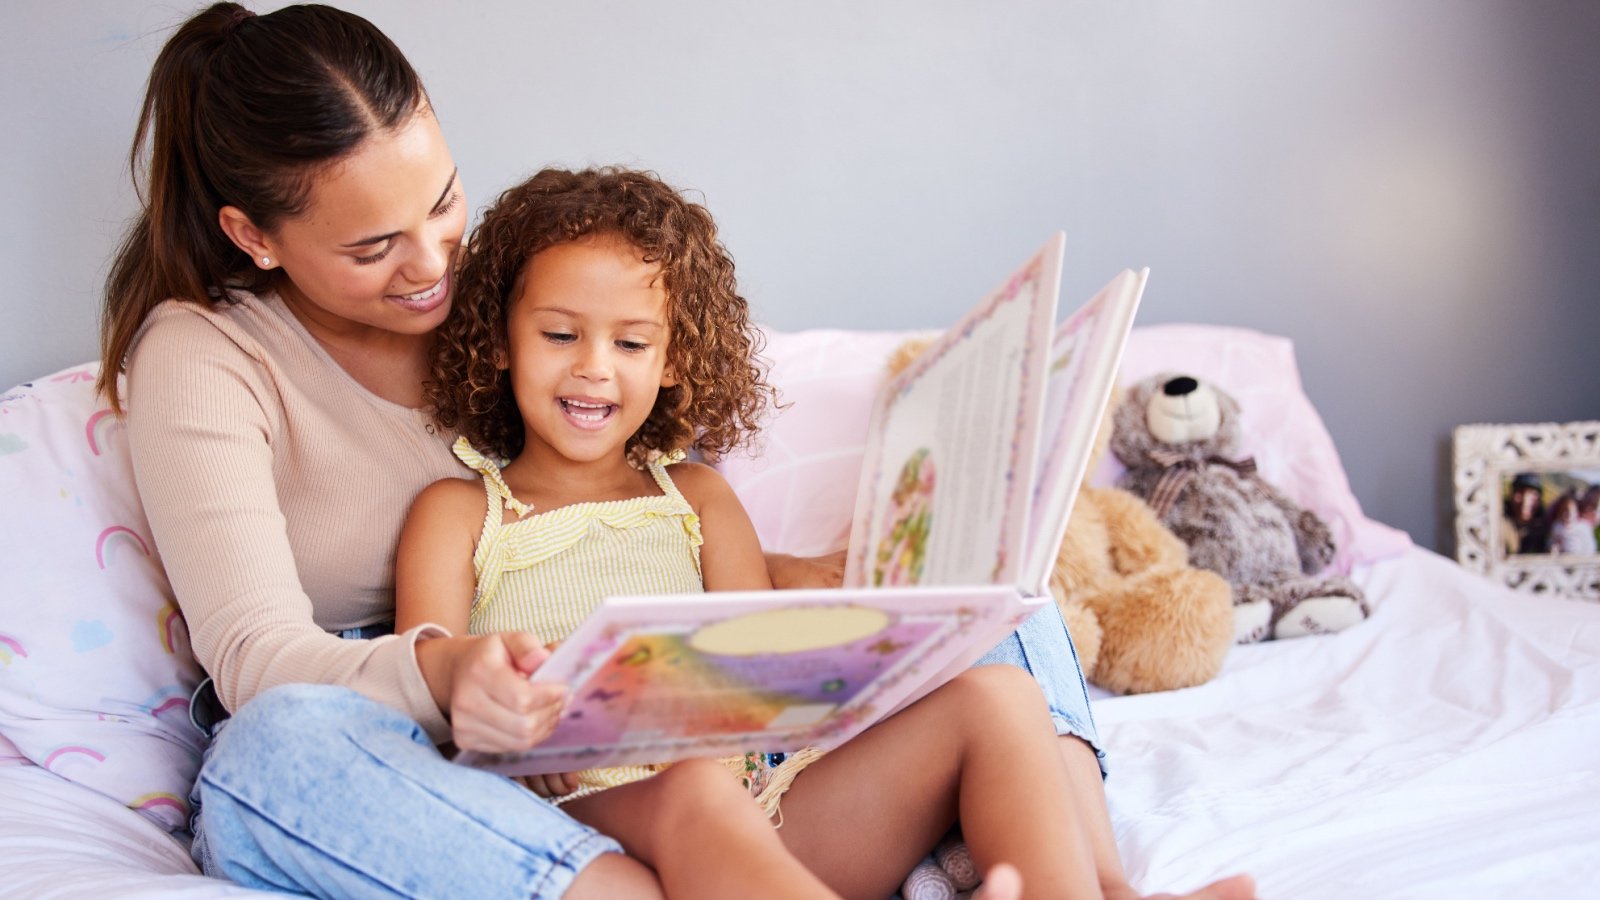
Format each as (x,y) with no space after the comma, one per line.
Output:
(589,412)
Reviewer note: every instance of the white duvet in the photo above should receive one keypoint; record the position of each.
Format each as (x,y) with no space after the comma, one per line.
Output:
(1448,747)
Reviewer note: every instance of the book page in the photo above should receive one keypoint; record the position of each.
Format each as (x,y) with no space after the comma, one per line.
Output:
(948,467)
(1083,370)
(667,677)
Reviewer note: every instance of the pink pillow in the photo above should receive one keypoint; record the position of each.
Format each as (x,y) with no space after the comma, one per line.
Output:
(95,666)
(801,489)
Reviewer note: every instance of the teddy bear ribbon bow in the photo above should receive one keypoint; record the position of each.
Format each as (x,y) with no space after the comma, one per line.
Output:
(1180,472)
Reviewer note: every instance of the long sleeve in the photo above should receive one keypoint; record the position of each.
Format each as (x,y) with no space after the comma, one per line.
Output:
(275,488)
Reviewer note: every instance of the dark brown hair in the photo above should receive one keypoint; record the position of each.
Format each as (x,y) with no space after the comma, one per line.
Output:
(712,348)
(241,110)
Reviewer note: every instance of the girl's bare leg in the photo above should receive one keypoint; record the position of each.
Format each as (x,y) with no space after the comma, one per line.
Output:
(697,827)
(982,750)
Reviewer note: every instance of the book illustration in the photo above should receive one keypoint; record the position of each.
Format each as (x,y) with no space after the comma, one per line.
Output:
(730,673)
(903,549)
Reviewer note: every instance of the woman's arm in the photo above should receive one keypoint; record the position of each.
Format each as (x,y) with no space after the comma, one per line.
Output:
(795,572)
(731,557)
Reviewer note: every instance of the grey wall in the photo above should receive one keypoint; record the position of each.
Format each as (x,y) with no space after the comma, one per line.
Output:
(1410,189)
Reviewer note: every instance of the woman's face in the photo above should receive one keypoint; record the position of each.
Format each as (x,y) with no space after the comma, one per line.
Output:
(375,247)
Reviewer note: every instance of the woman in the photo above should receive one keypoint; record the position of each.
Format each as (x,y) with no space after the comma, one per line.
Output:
(272,307)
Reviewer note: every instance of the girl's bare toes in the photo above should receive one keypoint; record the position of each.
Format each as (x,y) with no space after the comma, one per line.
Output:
(1002,882)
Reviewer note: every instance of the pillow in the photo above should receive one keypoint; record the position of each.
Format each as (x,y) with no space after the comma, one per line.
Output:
(801,491)
(800,486)
(95,665)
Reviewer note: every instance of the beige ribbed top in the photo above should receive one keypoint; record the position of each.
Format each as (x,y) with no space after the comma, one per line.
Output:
(276,486)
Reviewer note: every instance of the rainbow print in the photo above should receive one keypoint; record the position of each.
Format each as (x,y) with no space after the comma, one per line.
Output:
(170,625)
(94,430)
(121,534)
(168,699)
(10,649)
(156,802)
(68,753)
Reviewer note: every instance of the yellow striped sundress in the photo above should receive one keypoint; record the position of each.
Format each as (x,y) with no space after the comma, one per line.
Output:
(546,572)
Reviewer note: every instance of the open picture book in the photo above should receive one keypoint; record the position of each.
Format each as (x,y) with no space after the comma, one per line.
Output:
(974,455)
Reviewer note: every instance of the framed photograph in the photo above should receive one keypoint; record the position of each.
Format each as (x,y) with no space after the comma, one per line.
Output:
(1526,505)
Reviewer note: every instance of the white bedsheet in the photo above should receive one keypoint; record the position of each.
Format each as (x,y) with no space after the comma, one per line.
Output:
(1447,747)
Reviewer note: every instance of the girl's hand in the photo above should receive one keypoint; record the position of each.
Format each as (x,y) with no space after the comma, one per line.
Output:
(555,784)
(482,684)
(792,572)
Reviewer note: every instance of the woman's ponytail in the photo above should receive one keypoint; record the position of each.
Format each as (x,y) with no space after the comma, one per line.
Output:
(237,110)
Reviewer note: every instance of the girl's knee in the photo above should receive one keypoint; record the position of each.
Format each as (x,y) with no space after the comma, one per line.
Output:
(991,689)
(700,778)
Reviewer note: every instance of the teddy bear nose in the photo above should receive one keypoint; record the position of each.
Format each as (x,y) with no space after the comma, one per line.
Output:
(1179,386)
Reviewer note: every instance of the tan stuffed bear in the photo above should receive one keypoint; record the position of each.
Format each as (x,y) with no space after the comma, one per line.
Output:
(1142,619)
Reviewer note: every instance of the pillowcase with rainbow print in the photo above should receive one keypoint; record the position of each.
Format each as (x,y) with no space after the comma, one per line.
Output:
(95,665)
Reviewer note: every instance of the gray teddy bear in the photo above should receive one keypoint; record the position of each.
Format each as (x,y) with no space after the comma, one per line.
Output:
(1178,437)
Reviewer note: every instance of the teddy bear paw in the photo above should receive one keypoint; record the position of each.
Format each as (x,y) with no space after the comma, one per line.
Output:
(1318,615)
(1250,621)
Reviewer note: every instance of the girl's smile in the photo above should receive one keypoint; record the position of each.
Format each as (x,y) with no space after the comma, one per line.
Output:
(587,413)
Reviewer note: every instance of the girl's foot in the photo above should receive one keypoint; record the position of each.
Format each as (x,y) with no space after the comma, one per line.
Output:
(1003,882)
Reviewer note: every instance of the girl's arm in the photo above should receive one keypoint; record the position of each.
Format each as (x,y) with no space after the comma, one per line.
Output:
(731,557)
(480,681)
(433,577)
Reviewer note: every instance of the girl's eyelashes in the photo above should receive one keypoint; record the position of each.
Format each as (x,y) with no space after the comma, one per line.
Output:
(633,346)
(559,337)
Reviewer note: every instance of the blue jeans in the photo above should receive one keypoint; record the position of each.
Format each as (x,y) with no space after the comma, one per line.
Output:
(316,789)
(1043,647)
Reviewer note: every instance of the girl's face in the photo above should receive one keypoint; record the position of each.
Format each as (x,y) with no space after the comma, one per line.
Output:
(587,348)
(375,247)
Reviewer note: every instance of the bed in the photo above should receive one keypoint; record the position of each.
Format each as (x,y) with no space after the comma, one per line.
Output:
(1448,746)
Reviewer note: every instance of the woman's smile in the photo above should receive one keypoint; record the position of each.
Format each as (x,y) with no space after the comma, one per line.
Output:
(424,301)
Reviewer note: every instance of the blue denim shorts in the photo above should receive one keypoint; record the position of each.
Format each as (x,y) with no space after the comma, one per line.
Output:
(1043,647)
(316,789)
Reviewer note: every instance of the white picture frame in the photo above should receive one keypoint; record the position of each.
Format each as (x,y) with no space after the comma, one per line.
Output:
(1513,516)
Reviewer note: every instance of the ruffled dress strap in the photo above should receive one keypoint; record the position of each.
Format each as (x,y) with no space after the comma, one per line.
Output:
(691,521)
(493,481)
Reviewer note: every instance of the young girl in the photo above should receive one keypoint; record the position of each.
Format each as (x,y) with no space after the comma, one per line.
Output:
(597,336)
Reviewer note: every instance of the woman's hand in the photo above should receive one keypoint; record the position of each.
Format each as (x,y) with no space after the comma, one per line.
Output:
(555,784)
(481,683)
(792,572)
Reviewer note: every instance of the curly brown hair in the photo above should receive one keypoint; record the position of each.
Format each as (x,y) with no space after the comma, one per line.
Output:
(712,348)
